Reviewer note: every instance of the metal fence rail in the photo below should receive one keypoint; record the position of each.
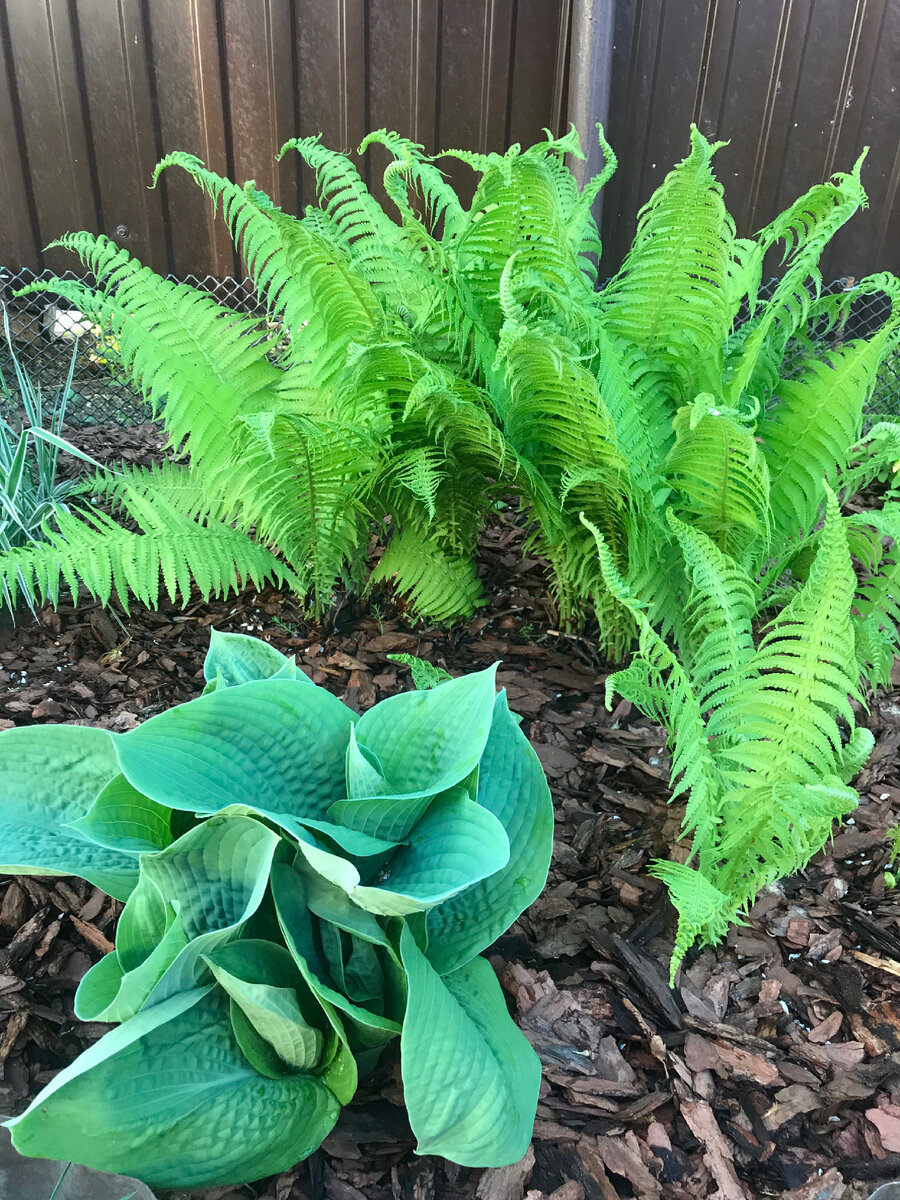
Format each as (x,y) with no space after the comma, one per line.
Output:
(44,333)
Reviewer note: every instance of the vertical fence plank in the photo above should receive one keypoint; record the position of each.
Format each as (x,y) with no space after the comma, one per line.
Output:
(540,32)
(403,76)
(45,71)
(796,86)
(187,70)
(114,52)
(259,62)
(18,234)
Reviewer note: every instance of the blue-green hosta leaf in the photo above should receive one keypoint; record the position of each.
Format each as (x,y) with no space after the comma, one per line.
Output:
(456,844)
(351,841)
(365,777)
(213,878)
(121,818)
(109,993)
(425,743)
(512,786)
(263,980)
(170,1098)
(275,745)
(470,1079)
(49,777)
(235,658)
(368,1029)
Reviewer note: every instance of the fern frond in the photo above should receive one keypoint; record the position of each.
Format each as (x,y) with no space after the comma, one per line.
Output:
(805,229)
(656,683)
(89,548)
(343,195)
(806,674)
(433,583)
(304,486)
(516,194)
(634,391)
(808,435)
(877,599)
(670,298)
(703,911)
(583,231)
(719,634)
(200,364)
(441,201)
(875,453)
(720,477)
(305,279)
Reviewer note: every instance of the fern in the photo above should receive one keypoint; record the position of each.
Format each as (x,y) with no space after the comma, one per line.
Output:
(720,478)
(670,297)
(462,356)
(91,549)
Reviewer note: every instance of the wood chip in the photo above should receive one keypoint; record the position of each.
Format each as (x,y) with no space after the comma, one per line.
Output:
(621,1159)
(92,934)
(14,1026)
(883,964)
(827,1029)
(506,1183)
(717,1153)
(887,1121)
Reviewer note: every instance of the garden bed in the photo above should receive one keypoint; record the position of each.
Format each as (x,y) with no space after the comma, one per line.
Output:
(771,1070)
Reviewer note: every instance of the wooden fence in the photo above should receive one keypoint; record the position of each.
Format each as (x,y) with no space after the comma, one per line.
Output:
(93,92)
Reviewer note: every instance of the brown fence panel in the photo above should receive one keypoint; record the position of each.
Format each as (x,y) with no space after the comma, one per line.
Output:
(798,86)
(93,92)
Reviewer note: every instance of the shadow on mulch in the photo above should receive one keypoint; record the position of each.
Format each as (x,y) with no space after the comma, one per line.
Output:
(773,1069)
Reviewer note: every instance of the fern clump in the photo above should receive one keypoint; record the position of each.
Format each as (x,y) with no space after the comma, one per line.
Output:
(437,358)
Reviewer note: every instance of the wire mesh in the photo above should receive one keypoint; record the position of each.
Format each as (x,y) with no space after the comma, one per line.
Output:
(44,327)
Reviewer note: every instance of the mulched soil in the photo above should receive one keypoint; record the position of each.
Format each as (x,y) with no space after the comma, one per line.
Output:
(773,1069)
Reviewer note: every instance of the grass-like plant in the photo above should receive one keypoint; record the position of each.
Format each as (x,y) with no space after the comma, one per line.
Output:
(437,362)
(302,887)
(32,497)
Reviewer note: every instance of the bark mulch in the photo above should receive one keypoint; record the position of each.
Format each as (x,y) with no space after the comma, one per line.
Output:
(773,1069)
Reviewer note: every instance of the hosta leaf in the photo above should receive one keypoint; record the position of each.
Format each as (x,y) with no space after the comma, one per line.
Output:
(235,658)
(470,1079)
(263,980)
(365,777)
(109,993)
(49,777)
(425,743)
(512,786)
(214,878)
(170,1098)
(121,818)
(289,893)
(275,745)
(456,843)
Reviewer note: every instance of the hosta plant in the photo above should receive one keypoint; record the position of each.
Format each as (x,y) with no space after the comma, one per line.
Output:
(302,886)
(438,357)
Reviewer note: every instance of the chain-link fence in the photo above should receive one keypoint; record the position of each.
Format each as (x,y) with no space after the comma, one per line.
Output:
(46,330)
